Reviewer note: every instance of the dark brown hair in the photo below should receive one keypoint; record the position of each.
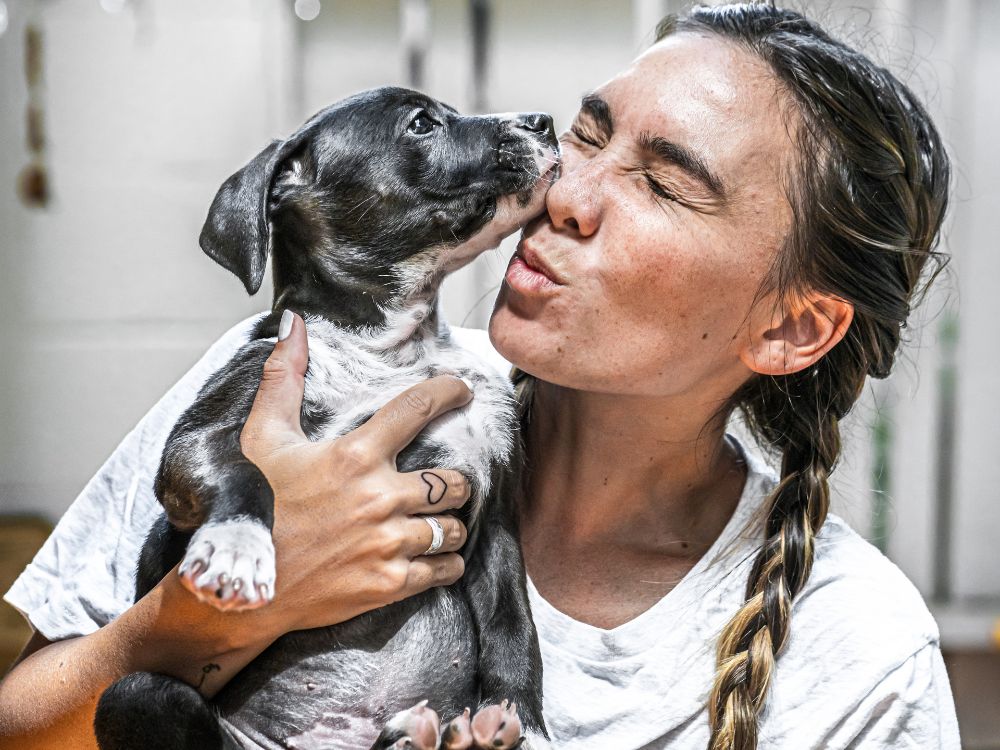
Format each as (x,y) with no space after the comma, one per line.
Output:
(868,195)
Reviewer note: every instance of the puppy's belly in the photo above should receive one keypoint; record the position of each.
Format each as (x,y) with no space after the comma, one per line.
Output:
(337,687)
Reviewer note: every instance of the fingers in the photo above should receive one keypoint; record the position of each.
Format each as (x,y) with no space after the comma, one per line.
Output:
(426,572)
(394,426)
(274,420)
(420,535)
(434,490)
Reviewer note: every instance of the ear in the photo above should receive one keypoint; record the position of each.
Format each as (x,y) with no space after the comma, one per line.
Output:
(237,232)
(789,336)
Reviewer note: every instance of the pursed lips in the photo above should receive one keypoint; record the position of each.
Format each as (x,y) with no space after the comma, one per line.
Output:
(535,262)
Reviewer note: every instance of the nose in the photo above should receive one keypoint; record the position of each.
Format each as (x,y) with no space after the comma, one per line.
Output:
(575,202)
(538,123)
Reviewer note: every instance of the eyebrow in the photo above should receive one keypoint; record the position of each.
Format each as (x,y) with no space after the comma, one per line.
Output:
(683,157)
(599,112)
(673,153)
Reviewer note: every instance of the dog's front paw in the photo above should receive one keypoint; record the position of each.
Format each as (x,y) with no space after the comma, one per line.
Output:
(230,565)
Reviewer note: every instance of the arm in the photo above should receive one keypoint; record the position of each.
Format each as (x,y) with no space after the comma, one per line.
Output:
(339,506)
(48,698)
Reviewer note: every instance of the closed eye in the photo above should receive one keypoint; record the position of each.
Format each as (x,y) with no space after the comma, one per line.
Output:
(659,190)
(583,137)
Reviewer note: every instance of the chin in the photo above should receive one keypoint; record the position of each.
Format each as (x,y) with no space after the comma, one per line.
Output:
(527,344)
(512,337)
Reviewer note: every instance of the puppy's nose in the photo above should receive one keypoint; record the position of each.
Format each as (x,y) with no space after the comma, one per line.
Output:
(536,122)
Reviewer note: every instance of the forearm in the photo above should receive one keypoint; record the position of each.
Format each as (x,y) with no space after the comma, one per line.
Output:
(48,700)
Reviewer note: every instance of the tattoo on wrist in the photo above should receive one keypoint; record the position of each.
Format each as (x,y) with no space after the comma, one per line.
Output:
(436,487)
(205,672)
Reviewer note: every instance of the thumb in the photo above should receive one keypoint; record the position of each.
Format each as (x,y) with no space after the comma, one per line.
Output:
(275,419)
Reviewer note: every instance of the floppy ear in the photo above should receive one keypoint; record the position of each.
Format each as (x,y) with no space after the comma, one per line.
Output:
(237,232)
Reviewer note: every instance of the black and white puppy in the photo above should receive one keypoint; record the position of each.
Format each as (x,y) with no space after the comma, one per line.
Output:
(365,209)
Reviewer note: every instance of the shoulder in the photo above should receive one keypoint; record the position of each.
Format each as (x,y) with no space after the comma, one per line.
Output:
(856,589)
(857,621)
(854,593)
(863,655)
(477,341)
(863,666)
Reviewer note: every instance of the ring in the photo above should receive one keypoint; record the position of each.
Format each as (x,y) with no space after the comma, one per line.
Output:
(437,535)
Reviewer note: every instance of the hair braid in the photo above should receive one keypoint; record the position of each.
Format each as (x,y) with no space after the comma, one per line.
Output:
(751,641)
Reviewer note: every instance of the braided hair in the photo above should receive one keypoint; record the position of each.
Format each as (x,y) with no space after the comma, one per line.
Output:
(868,196)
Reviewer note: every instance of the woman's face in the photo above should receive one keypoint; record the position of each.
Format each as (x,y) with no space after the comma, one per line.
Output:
(657,237)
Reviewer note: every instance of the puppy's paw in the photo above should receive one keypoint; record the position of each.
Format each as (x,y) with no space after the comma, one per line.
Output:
(416,728)
(497,727)
(457,733)
(230,565)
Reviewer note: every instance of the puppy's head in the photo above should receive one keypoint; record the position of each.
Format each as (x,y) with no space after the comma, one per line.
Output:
(380,192)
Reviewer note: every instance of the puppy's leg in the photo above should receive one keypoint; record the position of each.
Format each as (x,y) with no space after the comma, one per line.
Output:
(209,488)
(145,711)
(229,561)
(510,662)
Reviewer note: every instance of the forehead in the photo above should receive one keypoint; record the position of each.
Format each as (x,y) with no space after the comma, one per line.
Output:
(711,96)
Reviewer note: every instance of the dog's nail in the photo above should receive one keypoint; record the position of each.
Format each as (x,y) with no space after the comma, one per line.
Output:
(285,326)
(237,584)
(263,590)
(223,579)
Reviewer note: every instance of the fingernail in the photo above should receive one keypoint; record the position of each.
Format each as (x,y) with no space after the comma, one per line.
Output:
(285,326)
(468,384)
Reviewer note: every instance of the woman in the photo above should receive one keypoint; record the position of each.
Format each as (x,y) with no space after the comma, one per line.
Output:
(744,217)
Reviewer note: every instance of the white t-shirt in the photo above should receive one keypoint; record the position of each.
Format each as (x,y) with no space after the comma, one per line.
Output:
(862,668)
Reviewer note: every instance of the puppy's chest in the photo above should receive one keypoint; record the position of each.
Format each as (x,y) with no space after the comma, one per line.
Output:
(347,382)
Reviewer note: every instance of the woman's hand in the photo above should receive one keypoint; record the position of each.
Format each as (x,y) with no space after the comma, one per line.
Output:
(347,533)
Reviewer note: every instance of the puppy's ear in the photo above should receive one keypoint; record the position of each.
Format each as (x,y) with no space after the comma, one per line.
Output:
(237,232)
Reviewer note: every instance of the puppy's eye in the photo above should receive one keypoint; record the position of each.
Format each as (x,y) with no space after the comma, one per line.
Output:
(422,124)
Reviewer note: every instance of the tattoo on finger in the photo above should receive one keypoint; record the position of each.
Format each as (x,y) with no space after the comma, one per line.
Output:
(436,487)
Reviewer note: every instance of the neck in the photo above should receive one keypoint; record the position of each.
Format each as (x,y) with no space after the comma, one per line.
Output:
(646,472)
(387,316)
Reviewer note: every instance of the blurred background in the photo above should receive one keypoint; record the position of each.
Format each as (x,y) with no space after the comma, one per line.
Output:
(119,119)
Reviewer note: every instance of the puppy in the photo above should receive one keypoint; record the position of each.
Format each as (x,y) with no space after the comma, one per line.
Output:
(367,207)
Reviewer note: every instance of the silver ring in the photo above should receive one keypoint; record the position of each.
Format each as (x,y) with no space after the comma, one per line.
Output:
(437,534)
